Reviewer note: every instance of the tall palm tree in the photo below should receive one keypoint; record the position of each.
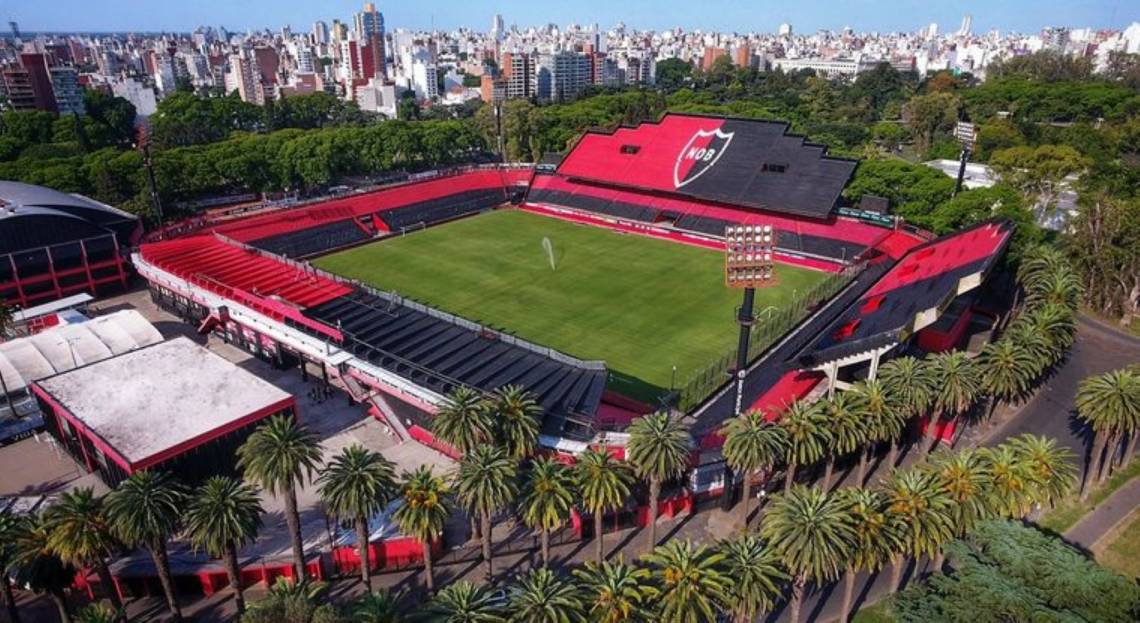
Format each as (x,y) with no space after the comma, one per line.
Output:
(808,435)
(658,450)
(1057,324)
(543,597)
(909,385)
(1008,369)
(1011,484)
(1105,403)
(79,533)
(280,456)
(547,497)
(1132,417)
(884,421)
(424,511)
(1052,470)
(918,501)
(464,423)
(463,602)
(11,527)
(849,430)
(223,516)
(39,568)
(752,446)
(516,415)
(875,538)
(756,576)
(812,533)
(692,586)
(614,592)
(485,484)
(146,510)
(1057,287)
(1039,261)
(358,483)
(603,483)
(968,483)
(957,382)
(1036,346)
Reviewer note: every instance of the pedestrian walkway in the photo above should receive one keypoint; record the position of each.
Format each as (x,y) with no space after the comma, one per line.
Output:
(1105,516)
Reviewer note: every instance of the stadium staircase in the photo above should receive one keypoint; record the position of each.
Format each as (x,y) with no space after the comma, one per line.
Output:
(378,406)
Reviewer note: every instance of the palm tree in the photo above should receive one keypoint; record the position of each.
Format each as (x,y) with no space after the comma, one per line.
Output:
(883,420)
(1007,370)
(1105,403)
(1011,485)
(807,432)
(966,480)
(543,597)
(849,429)
(78,532)
(99,613)
(485,484)
(424,512)
(918,501)
(1035,345)
(658,450)
(812,533)
(603,483)
(615,592)
(547,497)
(876,538)
(957,382)
(752,446)
(378,607)
(280,456)
(463,602)
(223,516)
(756,576)
(39,568)
(1057,324)
(146,510)
(516,415)
(692,586)
(1051,467)
(1037,262)
(464,423)
(358,483)
(1056,287)
(11,527)
(292,602)
(909,386)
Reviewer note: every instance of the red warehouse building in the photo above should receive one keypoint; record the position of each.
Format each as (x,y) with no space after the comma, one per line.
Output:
(144,409)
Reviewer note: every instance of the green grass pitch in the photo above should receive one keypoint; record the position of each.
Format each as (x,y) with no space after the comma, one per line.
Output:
(641,305)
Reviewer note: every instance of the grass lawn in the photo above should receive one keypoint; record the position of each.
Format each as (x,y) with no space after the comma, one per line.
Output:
(1121,550)
(641,305)
(880,612)
(1070,510)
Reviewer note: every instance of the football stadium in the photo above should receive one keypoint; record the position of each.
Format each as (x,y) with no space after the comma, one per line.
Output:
(596,281)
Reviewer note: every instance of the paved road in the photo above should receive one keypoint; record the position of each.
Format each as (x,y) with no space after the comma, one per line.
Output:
(1098,349)
(1105,516)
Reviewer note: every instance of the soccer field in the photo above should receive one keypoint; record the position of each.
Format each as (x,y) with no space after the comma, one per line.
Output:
(641,305)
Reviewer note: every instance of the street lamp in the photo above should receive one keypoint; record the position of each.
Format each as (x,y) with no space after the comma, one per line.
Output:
(749,263)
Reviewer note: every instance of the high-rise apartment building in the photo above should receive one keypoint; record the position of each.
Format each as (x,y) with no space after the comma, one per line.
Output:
(28,83)
(572,74)
(370,29)
(67,90)
(320,33)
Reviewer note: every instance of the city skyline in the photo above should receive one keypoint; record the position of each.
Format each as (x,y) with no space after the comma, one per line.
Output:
(722,16)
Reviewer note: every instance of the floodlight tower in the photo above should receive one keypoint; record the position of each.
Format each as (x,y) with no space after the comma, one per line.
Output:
(748,264)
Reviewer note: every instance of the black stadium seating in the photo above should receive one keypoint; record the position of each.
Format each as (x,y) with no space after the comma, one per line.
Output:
(788,240)
(599,205)
(443,208)
(307,242)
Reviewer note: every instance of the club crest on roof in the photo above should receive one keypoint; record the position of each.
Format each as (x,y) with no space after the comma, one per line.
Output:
(700,154)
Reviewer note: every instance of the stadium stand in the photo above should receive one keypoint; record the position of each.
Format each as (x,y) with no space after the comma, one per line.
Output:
(272,224)
(441,355)
(913,292)
(743,162)
(53,244)
(305,242)
(442,209)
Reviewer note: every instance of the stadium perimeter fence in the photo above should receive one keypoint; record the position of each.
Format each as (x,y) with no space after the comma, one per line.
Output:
(765,333)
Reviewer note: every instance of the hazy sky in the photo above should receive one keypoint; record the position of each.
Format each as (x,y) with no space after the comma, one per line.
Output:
(723,15)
